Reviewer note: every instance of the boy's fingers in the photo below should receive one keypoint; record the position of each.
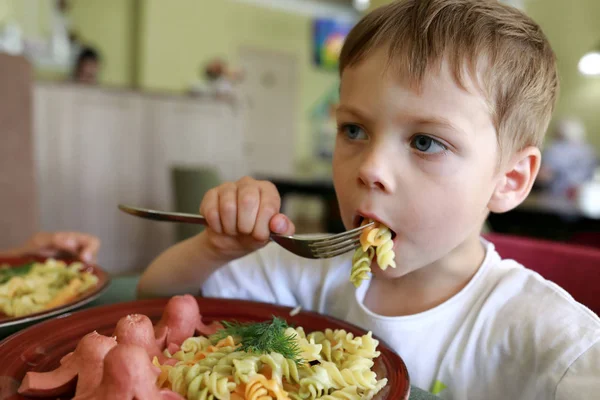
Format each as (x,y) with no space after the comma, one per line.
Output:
(291,227)
(209,208)
(228,208)
(248,201)
(270,202)
(282,225)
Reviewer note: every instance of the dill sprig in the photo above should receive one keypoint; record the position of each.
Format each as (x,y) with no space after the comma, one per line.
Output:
(7,273)
(261,337)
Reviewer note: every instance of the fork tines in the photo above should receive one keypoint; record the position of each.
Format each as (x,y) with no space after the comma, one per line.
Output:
(337,244)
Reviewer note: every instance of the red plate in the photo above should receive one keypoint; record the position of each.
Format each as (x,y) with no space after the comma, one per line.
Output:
(84,298)
(40,347)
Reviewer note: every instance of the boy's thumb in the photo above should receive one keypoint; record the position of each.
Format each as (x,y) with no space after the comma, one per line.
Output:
(282,225)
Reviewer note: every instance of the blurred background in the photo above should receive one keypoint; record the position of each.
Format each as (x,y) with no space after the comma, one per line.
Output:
(152,102)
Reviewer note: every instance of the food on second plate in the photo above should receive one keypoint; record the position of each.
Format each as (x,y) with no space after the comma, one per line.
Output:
(39,286)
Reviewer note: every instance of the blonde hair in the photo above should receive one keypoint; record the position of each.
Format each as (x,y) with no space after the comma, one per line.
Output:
(504,52)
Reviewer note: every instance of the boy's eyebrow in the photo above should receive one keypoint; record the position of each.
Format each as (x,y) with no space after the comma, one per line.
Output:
(429,120)
(354,111)
(437,121)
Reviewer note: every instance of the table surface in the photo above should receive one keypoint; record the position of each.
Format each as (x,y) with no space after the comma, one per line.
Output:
(123,288)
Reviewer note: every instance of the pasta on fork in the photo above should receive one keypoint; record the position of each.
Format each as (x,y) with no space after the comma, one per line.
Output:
(375,242)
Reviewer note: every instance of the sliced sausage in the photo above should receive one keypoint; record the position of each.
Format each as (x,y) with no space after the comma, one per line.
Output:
(137,329)
(180,320)
(129,375)
(85,364)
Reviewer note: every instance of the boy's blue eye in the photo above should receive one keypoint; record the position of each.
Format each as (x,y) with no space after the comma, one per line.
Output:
(353,132)
(426,144)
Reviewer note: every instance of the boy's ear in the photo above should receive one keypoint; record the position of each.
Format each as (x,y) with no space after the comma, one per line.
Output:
(515,180)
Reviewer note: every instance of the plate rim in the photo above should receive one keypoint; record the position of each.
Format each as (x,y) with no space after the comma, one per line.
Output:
(91,295)
(129,307)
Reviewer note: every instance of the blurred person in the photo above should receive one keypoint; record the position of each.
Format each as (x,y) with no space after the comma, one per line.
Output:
(216,76)
(82,246)
(219,80)
(87,66)
(568,161)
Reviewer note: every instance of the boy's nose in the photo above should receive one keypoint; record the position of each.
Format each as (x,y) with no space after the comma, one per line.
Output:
(375,173)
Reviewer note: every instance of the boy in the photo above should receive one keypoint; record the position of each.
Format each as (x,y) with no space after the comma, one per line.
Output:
(444,104)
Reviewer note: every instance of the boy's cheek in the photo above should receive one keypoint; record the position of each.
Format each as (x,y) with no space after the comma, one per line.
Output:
(440,215)
(440,166)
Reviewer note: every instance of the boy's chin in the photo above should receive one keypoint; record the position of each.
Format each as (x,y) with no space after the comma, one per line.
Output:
(389,273)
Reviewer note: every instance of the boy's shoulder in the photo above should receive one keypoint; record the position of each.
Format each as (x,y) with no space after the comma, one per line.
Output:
(531,315)
(514,288)
(520,335)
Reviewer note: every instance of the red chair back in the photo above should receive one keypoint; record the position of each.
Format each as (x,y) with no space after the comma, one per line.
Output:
(589,239)
(574,268)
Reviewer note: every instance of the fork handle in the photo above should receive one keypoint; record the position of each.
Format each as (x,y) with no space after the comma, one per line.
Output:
(163,215)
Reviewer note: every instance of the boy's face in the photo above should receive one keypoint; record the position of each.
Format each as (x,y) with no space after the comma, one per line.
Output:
(423,163)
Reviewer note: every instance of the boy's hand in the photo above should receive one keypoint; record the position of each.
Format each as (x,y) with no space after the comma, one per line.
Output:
(50,244)
(241,215)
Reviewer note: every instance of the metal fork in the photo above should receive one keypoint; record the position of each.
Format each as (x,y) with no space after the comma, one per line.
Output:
(320,246)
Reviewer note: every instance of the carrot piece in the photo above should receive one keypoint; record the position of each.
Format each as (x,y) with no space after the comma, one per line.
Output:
(66,294)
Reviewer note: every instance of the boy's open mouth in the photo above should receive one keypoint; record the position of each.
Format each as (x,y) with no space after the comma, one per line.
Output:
(358,220)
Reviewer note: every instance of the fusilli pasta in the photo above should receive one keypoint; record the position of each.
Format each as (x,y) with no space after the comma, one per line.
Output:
(336,365)
(46,285)
(375,242)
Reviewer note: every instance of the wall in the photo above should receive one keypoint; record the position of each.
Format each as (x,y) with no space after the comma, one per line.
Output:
(178,37)
(572,28)
(34,19)
(160,45)
(109,25)
(32,15)
(5,10)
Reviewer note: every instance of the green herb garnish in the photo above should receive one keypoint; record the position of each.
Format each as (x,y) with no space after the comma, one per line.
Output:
(261,338)
(6,274)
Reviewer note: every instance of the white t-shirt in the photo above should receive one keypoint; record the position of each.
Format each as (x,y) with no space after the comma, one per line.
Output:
(509,334)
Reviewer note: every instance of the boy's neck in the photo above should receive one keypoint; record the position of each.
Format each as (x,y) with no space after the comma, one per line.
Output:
(429,286)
